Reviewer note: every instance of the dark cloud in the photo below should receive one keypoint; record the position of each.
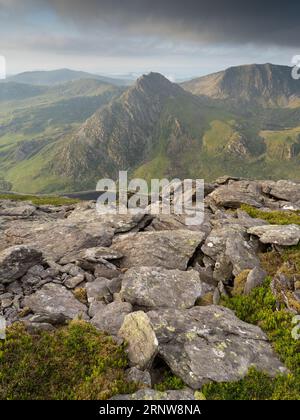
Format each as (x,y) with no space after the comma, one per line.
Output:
(263,22)
(235,21)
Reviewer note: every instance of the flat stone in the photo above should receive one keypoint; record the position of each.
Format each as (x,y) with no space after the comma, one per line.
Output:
(56,303)
(167,249)
(110,317)
(209,343)
(152,287)
(16,260)
(284,235)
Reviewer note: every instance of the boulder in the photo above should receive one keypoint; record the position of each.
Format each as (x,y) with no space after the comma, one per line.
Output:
(137,376)
(151,394)
(55,304)
(110,317)
(142,347)
(241,254)
(16,261)
(284,235)
(283,190)
(238,193)
(255,278)
(209,343)
(98,290)
(151,287)
(167,249)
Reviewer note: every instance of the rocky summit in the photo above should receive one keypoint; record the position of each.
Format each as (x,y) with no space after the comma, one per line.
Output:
(164,288)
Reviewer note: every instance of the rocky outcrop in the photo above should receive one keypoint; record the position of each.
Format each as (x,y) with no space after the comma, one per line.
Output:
(167,249)
(204,344)
(153,281)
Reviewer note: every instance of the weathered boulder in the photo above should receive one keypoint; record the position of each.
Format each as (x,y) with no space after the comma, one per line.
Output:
(151,394)
(73,282)
(152,287)
(55,304)
(98,290)
(167,249)
(209,343)
(241,254)
(215,243)
(282,190)
(284,235)
(58,238)
(14,209)
(16,260)
(141,377)
(255,278)
(137,331)
(110,317)
(235,194)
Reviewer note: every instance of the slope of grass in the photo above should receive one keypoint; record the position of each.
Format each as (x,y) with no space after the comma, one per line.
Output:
(273,217)
(75,362)
(40,200)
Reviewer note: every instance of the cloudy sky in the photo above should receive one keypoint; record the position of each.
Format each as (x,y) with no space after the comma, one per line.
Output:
(179,38)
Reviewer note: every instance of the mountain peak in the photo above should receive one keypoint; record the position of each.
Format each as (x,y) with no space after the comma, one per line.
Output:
(267,84)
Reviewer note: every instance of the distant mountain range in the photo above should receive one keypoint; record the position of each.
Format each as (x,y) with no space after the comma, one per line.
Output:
(55,77)
(244,121)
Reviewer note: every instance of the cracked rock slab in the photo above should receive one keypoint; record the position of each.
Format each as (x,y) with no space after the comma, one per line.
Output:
(167,249)
(284,235)
(56,304)
(155,287)
(210,343)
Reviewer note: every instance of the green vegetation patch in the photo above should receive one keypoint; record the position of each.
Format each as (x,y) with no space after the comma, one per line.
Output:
(260,308)
(273,217)
(170,381)
(75,362)
(40,200)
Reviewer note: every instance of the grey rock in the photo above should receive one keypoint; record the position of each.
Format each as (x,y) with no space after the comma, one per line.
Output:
(73,282)
(241,254)
(98,290)
(282,190)
(223,269)
(110,317)
(16,209)
(285,235)
(152,287)
(16,260)
(209,343)
(57,303)
(138,332)
(102,270)
(255,278)
(167,249)
(138,376)
(151,394)
(234,195)
(95,307)
(215,243)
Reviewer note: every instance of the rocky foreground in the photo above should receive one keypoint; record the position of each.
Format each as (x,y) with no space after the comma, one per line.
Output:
(153,281)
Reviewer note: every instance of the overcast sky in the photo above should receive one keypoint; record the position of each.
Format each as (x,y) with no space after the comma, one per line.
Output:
(180,39)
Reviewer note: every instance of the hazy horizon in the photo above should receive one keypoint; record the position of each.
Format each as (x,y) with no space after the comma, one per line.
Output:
(179,40)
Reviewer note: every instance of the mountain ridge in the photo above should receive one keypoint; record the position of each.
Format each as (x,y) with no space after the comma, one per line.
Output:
(157,128)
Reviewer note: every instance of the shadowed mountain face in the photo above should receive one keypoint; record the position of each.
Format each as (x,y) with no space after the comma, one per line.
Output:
(265,84)
(244,122)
